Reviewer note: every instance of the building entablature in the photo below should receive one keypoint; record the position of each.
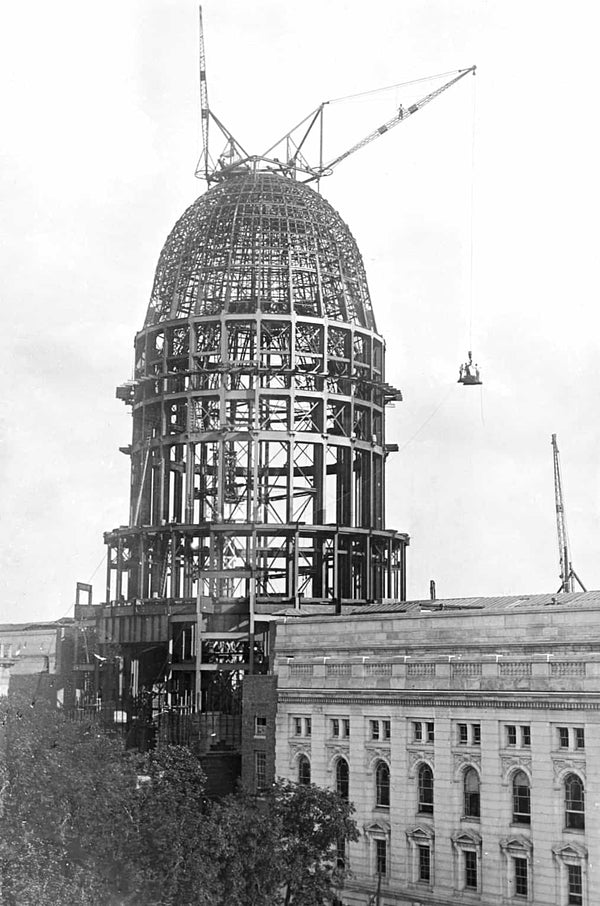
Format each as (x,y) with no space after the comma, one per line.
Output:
(559,671)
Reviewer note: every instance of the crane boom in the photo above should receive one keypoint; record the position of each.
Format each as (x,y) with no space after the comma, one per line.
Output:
(203,163)
(567,573)
(295,161)
(400,117)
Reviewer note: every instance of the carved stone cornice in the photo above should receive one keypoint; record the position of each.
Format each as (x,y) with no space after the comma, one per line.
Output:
(452,698)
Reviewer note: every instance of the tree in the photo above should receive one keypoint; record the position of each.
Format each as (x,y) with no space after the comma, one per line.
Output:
(83,822)
(65,820)
(282,847)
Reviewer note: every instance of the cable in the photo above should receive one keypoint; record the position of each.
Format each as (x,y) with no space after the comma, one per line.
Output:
(360,94)
(472,216)
(427,420)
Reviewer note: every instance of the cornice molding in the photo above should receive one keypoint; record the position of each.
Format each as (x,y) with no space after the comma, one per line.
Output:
(443,699)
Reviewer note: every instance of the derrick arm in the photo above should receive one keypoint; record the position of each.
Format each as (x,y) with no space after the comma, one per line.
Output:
(400,117)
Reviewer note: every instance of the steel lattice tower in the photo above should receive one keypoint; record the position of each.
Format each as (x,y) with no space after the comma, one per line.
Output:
(258,451)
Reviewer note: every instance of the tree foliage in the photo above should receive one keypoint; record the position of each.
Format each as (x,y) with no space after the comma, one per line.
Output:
(84,822)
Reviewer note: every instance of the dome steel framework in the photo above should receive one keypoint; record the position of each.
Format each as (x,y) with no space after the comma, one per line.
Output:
(258,452)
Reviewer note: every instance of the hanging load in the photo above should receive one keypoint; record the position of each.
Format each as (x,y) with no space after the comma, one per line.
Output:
(469,372)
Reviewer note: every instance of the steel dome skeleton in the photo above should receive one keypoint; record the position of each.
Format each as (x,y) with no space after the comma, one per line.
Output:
(258,450)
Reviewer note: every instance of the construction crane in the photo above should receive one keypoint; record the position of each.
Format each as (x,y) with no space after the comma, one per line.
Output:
(567,573)
(293,161)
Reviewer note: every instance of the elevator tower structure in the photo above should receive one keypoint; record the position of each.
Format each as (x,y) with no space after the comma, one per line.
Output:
(258,451)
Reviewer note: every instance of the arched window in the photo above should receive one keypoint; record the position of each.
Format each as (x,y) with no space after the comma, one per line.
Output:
(342,773)
(574,803)
(382,785)
(471,793)
(521,798)
(304,770)
(425,789)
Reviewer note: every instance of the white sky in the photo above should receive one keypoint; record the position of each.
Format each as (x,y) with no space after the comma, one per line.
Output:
(99,112)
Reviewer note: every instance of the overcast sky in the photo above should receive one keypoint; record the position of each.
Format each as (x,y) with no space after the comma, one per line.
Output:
(477,220)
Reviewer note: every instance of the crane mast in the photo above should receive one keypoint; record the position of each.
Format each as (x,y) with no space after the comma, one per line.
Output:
(567,573)
(295,162)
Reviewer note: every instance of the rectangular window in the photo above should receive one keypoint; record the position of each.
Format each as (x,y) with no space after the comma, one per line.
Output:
(563,737)
(298,726)
(417,731)
(334,726)
(575,885)
(463,734)
(521,881)
(470,870)
(526,736)
(374,729)
(381,857)
(579,738)
(341,854)
(260,726)
(345,727)
(430,732)
(476,733)
(260,770)
(387,729)
(424,863)
(511,735)
(307,726)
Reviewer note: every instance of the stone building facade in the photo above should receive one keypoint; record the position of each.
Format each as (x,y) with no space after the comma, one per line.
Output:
(466,733)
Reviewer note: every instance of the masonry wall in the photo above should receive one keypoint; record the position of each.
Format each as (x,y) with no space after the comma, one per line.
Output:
(259,706)
(535,671)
